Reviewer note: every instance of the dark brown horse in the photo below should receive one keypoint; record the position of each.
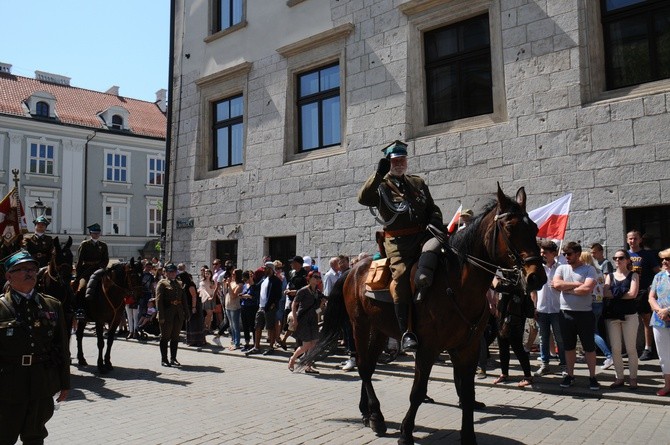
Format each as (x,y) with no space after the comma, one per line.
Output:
(503,237)
(104,303)
(55,278)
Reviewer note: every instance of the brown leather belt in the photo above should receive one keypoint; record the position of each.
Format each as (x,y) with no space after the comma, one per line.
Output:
(403,232)
(175,302)
(24,360)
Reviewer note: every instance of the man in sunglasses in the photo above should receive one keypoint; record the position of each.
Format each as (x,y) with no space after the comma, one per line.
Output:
(34,356)
(576,281)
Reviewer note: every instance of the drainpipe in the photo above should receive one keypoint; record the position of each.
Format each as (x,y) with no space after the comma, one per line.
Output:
(88,139)
(168,137)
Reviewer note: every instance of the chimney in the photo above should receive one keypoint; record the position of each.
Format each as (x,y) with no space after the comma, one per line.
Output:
(113,90)
(52,78)
(161,99)
(5,68)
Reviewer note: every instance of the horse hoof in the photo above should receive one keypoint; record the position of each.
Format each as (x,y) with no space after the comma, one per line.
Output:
(109,367)
(406,441)
(82,361)
(366,421)
(379,427)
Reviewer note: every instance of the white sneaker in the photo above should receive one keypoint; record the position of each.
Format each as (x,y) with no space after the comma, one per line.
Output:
(542,370)
(607,364)
(349,365)
(564,371)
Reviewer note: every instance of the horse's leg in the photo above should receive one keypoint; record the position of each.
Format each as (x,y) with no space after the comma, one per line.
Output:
(425,359)
(372,342)
(111,333)
(101,344)
(465,364)
(81,325)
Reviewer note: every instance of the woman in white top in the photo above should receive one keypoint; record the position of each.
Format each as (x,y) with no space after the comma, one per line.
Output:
(206,289)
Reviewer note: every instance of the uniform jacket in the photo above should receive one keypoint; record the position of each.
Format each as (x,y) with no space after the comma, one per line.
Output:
(39,248)
(35,329)
(170,299)
(91,256)
(408,189)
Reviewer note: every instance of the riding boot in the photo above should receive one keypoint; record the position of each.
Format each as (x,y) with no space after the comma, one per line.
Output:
(174,344)
(425,271)
(408,342)
(164,348)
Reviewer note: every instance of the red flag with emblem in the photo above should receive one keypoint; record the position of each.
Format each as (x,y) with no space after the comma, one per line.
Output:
(12,218)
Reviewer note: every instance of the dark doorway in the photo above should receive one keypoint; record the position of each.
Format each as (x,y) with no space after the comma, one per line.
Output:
(226,250)
(281,248)
(652,222)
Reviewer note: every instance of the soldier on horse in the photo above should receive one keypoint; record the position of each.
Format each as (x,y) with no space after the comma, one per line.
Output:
(405,208)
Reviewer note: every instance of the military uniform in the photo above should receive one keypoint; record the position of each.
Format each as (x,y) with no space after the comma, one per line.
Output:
(171,306)
(91,256)
(34,364)
(405,207)
(39,247)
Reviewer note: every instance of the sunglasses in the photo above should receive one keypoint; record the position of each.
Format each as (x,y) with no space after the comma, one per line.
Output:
(619,258)
(665,259)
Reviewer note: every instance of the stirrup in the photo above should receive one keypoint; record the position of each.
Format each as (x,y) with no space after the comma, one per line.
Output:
(408,342)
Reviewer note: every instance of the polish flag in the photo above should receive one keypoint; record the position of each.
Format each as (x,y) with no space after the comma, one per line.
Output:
(552,219)
(453,224)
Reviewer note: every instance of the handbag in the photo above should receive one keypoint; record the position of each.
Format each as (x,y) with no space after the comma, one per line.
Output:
(379,275)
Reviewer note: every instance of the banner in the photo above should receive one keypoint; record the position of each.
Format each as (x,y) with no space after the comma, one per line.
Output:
(12,218)
(453,224)
(552,219)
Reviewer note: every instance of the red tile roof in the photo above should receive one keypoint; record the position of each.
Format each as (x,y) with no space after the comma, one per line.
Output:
(78,106)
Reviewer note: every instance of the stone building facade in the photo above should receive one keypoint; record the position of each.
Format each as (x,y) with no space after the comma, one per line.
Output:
(550,95)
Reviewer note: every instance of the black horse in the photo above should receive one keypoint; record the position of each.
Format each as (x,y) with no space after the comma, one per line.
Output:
(106,293)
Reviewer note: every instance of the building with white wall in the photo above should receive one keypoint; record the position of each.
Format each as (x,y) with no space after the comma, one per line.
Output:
(89,156)
(281,109)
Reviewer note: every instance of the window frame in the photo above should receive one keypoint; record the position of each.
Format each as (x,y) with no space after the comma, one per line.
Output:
(118,123)
(319,98)
(120,202)
(29,157)
(127,169)
(154,205)
(157,173)
(229,123)
(50,198)
(433,15)
(42,109)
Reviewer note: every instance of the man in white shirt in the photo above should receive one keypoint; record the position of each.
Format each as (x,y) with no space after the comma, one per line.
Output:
(330,277)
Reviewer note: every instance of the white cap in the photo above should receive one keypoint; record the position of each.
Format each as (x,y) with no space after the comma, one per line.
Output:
(307,261)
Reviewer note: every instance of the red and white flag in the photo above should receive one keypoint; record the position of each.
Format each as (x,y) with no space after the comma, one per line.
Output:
(12,218)
(552,219)
(453,224)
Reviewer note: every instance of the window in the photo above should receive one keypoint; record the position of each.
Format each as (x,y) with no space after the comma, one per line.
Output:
(319,108)
(42,109)
(226,250)
(458,71)
(636,36)
(228,132)
(117,122)
(41,159)
(154,217)
(116,167)
(116,213)
(229,13)
(652,222)
(155,170)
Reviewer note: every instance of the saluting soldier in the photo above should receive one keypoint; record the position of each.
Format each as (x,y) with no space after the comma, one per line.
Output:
(170,303)
(405,207)
(92,254)
(34,358)
(39,244)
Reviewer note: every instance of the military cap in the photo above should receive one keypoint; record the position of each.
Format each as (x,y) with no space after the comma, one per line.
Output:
(19,257)
(94,228)
(171,267)
(395,149)
(41,219)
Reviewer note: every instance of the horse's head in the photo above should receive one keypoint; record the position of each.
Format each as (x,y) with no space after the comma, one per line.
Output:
(515,245)
(61,257)
(133,277)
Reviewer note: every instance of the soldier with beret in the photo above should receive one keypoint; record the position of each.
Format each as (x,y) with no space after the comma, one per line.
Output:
(34,357)
(39,245)
(171,306)
(405,207)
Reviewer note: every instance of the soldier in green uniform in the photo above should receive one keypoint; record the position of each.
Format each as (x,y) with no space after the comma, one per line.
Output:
(39,245)
(34,357)
(406,207)
(92,254)
(170,303)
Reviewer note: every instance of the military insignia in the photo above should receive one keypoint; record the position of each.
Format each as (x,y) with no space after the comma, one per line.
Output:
(37,324)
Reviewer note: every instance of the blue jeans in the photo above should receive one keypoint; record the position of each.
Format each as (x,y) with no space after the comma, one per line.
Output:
(600,342)
(546,324)
(235,321)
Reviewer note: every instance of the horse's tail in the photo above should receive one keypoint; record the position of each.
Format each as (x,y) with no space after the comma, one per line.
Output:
(334,318)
